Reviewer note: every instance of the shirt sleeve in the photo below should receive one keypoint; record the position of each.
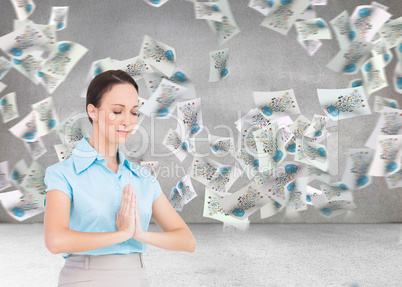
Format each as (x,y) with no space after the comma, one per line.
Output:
(54,179)
(157,190)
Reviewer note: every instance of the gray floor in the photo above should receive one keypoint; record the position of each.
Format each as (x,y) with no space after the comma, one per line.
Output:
(267,255)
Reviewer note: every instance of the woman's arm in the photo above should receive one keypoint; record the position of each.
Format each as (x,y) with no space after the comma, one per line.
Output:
(175,236)
(60,239)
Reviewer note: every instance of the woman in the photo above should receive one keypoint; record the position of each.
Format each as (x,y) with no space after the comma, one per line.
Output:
(98,205)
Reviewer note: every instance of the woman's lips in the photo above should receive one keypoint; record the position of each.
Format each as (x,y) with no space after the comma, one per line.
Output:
(122,133)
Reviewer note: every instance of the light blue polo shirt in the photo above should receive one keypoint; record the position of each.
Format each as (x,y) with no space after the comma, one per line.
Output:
(95,192)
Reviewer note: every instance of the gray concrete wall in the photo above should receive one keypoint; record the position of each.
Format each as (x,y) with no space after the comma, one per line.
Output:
(260,60)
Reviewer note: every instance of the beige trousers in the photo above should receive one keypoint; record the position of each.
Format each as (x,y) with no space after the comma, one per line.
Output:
(104,271)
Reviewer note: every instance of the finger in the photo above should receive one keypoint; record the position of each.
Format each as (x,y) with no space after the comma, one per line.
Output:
(123,206)
(137,213)
(136,207)
(124,191)
(132,205)
(135,197)
(129,195)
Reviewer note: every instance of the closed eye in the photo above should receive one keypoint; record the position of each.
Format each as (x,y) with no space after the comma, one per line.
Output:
(118,113)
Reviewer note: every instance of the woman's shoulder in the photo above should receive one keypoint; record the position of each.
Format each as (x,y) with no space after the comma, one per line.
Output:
(59,172)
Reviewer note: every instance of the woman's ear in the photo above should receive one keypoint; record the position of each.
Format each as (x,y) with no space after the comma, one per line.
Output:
(93,112)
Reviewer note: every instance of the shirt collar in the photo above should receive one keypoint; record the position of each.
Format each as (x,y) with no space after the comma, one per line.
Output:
(84,155)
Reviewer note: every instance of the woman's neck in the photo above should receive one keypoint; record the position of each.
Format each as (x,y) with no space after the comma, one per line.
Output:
(107,149)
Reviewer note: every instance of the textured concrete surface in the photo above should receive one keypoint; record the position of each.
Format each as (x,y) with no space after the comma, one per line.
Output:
(268,255)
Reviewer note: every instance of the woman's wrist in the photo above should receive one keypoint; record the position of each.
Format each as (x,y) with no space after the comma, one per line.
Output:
(177,240)
(140,236)
(123,235)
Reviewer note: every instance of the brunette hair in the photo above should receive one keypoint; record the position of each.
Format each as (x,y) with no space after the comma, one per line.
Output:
(102,83)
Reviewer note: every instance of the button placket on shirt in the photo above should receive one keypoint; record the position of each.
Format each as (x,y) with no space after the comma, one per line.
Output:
(118,188)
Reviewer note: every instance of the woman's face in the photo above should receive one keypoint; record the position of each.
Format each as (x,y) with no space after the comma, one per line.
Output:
(117,115)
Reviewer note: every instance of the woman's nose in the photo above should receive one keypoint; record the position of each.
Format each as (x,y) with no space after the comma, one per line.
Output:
(128,119)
